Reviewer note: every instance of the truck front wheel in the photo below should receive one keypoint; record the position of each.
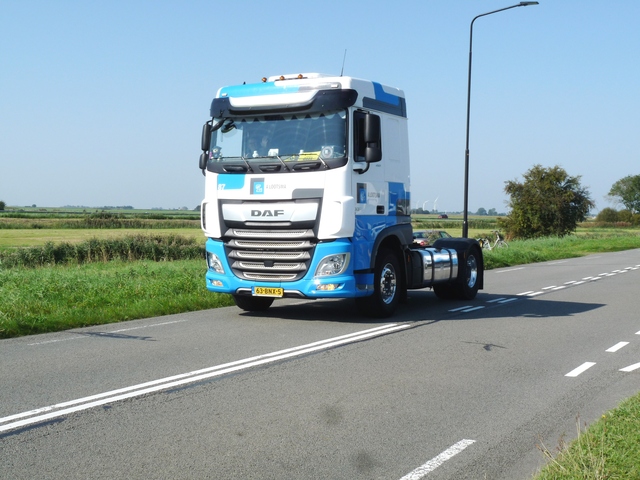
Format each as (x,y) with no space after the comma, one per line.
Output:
(253,304)
(386,287)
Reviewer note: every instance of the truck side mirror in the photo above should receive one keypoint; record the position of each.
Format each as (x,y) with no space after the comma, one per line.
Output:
(372,137)
(371,128)
(205,142)
(203,160)
(372,155)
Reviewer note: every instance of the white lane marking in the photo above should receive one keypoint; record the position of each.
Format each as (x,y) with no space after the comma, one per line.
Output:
(638,332)
(533,293)
(509,300)
(582,368)
(617,347)
(495,300)
(510,270)
(77,337)
(435,462)
(631,368)
(185,378)
(461,308)
(472,309)
(558,263)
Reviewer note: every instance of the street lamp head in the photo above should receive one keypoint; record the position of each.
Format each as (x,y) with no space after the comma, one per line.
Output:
(526,4)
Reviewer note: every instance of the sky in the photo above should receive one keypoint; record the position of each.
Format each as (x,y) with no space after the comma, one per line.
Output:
(102,102)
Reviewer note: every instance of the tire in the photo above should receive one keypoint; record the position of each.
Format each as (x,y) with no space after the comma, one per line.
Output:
(468,279)
(253,304)
(387,287)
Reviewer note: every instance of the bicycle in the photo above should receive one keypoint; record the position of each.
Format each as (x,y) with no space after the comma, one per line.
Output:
(499,243)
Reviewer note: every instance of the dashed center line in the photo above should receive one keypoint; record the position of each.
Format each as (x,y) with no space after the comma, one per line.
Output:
(631,368)
(617,347)
(581,369)
(435,462)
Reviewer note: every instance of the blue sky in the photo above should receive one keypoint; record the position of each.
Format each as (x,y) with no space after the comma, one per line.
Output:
(102,102)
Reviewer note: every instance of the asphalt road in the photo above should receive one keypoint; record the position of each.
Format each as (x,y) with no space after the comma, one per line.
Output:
(310,390)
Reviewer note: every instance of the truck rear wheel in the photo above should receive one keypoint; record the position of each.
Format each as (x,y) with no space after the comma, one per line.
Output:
(386,287)
(470,270)
(253,304)
(467,288)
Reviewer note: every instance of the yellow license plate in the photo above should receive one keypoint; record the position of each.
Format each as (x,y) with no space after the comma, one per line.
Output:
(268,292)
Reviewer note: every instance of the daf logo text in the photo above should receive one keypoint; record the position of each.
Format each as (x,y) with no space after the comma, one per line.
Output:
(267,213)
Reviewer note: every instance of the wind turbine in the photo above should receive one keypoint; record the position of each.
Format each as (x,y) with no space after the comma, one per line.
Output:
(435,202)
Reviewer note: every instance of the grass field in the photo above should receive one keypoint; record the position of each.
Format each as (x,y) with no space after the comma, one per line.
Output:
(16,238)
(73,293)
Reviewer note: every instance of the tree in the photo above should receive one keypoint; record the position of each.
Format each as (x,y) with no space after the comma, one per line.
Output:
(548,202)
(2,205)
(492,212)
(627,189)
(481,211)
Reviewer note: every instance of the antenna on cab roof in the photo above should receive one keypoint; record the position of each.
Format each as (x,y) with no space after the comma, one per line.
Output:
(343,59)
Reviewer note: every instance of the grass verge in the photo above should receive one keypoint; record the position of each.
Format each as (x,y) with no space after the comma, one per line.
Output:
(608,449)
(547,249)
(61,297)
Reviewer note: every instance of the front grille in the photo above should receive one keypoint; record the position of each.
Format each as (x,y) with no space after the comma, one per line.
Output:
(269,255)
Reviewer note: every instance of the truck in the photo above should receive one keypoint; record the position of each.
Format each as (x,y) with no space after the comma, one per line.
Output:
(307,195)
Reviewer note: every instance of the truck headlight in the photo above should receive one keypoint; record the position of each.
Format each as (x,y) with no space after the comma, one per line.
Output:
(332,265)
(214,263)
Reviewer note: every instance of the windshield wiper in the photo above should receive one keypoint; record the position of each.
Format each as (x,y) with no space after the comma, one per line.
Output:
(283,162)
(244,159)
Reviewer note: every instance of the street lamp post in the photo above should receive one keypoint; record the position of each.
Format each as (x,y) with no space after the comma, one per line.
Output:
(465,214)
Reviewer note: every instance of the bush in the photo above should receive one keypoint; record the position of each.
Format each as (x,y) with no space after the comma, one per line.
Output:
(607,215)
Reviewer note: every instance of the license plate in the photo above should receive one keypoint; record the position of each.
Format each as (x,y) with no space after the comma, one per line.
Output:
(267,292)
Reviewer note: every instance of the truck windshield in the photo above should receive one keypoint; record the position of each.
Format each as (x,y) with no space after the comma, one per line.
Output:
(312,138)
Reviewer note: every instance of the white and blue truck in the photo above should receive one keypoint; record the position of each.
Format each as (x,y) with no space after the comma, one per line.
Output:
(307,196)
